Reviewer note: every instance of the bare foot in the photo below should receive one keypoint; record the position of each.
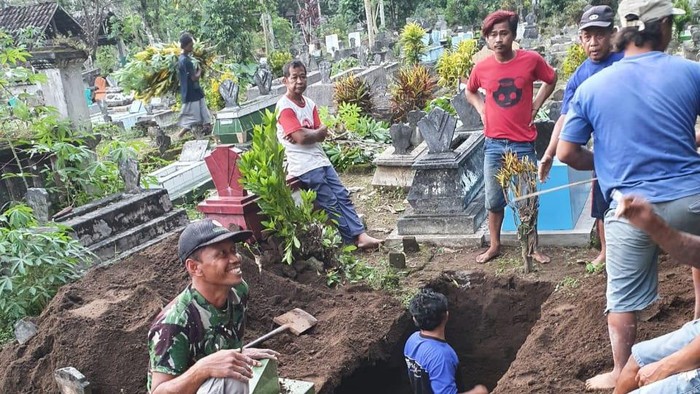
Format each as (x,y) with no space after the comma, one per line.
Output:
(604,381)
(364,241)
(599,260)
(541,257)
(490,254)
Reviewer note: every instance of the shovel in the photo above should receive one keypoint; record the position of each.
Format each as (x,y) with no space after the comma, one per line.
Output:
(297,321)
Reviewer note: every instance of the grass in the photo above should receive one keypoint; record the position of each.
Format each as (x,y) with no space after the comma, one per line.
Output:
(567,285)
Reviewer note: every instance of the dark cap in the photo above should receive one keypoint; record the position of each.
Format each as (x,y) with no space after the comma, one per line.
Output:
(597,16)
(206,232)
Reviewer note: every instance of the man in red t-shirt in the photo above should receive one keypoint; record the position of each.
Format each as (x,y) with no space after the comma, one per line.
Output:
(509,111)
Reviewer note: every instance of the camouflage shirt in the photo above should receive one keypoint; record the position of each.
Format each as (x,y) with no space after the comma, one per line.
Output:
(190,328)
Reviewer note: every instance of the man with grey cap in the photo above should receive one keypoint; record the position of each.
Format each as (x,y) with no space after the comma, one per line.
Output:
(596,30)
(195,342)
(641,113)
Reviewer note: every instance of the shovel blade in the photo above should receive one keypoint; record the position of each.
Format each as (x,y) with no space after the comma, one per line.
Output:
(297,320)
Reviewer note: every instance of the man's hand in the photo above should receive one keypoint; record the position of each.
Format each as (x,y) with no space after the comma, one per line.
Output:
(544,167)
(227,364)
(198,73)
(651,373)
(322,132)
(638,211)
(259,354)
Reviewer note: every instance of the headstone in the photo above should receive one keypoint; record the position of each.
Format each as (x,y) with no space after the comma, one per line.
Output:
(544,134)
(413,117)
(71,381)
(397,260)
(437,128)
(163,141)
(354,39)
(362,56)
(441,24)
(129,170)
(24,331)
(400,138)
(332,43)
(229,92)
(410,245)
(38,200)
(263,80)
(325,69)
(377,59)
(471,120)
(194,150)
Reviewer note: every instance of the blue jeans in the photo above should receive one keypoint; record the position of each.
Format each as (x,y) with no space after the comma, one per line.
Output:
(493,161)
(655,349)
(334,198)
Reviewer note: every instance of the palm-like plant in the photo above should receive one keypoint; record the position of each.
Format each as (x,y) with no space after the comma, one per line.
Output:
(412,89)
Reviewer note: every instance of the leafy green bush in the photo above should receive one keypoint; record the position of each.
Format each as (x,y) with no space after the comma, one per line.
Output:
(33,264)
(442,103)
(277,60)
(344,64)
(411,40)
(575,56)
(412,88)
(453,65)
(344,156)
(353,90)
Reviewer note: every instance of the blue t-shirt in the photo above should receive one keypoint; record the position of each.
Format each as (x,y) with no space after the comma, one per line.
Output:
(432,365)
(190,90)
(643,110)
(582,73)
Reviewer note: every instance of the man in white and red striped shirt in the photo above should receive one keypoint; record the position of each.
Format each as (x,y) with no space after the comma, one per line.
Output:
(300,131)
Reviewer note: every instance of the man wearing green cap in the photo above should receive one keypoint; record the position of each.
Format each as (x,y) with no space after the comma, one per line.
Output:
(641,113)
(194,344)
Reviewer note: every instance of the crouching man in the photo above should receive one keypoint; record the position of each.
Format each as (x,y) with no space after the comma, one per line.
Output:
(194,344)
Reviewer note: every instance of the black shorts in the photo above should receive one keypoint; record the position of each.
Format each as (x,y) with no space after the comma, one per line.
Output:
(599,204)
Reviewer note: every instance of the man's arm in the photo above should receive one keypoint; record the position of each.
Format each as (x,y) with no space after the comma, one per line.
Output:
(543,94)
(697,139)
(682,246)
(685,359)
(551,151)
(222,364)
(306,136)
(575,155)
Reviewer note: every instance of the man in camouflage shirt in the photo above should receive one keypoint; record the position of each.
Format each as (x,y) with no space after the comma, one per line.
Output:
(195,342)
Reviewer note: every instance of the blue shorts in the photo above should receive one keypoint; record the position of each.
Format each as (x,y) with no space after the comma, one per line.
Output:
(598,204)
(631,257)
(493,160)
(653,350)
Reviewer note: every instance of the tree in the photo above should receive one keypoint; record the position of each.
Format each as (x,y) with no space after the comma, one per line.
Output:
(230,25)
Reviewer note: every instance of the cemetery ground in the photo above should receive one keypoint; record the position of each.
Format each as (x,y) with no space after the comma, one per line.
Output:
(543,332)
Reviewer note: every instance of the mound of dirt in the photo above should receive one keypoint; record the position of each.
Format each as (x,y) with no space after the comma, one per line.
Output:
(99,325)
(570,342)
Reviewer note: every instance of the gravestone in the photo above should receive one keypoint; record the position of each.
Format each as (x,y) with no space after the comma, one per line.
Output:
(325,69)
(129,171)
(38,200)
(437,128)
(531,31)
(413,117)
(544,133)
(71,381)
(194,150)
(25,330)
(362,56)
(377,58)
(400,138)
(355,39)
(471,120)
(163,141)
(263,80)
(332,43)
(229,92)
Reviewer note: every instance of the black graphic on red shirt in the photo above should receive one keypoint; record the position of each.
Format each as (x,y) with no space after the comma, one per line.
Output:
(509,92)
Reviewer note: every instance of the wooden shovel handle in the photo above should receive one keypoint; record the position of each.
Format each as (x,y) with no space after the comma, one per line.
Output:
(267,336)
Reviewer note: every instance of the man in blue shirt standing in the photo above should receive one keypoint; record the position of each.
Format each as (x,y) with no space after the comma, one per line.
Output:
(195,115)
(431,361)
(596,31)
(641,112)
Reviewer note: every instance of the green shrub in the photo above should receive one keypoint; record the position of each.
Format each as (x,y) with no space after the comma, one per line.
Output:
(277,60)
(344,64)
(353,90)
(411,40)
(575,56)
(33,264)
(412,88)
(453,65)
(442,103)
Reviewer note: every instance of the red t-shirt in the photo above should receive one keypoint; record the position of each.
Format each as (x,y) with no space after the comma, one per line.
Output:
(509,93)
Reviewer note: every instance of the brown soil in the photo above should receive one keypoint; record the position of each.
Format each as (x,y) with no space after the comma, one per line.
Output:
(542,332)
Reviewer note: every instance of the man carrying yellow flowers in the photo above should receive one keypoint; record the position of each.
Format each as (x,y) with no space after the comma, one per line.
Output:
(195,115)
